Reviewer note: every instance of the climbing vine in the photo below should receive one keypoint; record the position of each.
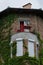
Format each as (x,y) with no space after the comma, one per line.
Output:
(5,35)
(40,47)
(24,60)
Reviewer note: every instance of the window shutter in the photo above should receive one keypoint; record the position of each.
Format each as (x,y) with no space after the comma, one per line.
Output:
(22,26)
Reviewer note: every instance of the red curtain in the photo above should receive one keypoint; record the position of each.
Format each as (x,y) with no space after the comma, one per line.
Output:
(22,26)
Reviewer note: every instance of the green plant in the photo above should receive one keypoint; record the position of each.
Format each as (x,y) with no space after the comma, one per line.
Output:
(14,48)
(5,35)
(40,48)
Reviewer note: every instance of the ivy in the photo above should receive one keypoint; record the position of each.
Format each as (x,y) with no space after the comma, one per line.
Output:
(24,60)
(40,47)
(14,49)
(5,35)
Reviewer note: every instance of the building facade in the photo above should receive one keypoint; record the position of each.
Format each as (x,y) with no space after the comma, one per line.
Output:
(27,22)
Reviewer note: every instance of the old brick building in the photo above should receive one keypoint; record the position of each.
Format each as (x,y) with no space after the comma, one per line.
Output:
(27,22)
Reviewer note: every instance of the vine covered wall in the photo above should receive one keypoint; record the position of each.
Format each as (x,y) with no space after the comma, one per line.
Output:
(5,29)
(5,35)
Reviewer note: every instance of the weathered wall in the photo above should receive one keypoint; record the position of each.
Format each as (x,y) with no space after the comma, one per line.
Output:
(36,23)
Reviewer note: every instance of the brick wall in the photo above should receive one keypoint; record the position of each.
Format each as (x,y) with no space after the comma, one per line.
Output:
(27,7)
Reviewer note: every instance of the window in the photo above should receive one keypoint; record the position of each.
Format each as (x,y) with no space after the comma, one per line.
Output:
(26,22)
(19,48)
(24,26)
(31,48)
